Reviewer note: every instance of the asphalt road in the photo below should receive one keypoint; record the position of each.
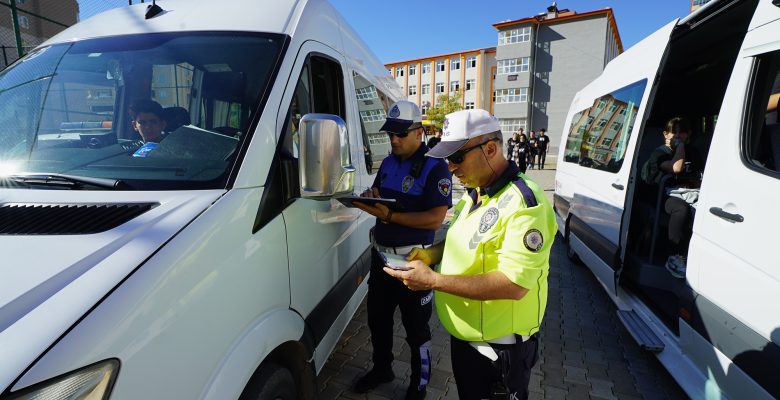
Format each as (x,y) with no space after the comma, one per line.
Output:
(585,351)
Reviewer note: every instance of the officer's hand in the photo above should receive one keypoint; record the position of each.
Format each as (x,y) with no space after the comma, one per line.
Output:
(378,210)
(420,254)
(418,277)
(370,192)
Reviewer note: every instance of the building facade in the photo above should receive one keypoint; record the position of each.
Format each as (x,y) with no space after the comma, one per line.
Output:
(543,61)
(468,73)
(695,4)
(38,20)
(530,78)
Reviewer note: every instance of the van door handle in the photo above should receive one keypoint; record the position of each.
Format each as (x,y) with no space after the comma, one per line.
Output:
(618,186)
(726,215)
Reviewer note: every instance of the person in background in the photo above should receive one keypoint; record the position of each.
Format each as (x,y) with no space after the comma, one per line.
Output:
(491,289)
(434,140)
(532,149)
(421,187)
(541,150)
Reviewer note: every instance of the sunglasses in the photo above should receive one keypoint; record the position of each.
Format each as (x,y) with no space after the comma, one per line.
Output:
(458,156)
(401,135)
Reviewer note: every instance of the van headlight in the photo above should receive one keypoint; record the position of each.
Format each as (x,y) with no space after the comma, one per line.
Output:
(89,383)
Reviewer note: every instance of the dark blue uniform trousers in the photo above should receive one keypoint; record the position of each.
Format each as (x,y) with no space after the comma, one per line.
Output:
(385,293)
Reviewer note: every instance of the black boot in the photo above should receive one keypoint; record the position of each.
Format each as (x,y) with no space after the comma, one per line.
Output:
(373,378)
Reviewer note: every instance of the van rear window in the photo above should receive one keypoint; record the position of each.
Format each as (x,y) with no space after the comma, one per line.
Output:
(598,135)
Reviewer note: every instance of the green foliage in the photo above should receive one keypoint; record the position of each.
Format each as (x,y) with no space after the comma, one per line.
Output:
(445,104)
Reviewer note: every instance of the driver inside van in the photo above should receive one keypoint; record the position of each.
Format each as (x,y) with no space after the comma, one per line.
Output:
(675,157)
(148,121)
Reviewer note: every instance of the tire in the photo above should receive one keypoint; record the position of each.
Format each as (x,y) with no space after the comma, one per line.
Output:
(570,253)
(270,382)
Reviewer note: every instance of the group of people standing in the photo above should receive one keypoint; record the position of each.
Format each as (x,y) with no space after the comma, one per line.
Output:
(530,151)
(487,280)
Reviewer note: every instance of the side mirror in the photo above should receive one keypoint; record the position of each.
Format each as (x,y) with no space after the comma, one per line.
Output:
(325,161)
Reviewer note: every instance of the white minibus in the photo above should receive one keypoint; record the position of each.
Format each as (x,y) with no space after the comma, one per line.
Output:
(212,261)
(713,320)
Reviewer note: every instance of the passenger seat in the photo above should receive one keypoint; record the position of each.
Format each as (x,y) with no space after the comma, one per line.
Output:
(175,118)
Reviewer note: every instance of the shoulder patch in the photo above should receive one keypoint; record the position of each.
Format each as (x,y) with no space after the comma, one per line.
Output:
(489,219)
(444,186)
(533,240)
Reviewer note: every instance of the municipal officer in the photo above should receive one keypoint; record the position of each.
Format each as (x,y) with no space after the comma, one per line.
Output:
(491,290)
(421,187)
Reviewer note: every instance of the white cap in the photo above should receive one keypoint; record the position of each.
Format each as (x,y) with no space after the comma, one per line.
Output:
(403,115)
(461,126)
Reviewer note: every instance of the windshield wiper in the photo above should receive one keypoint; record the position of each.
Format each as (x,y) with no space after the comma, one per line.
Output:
(68,181)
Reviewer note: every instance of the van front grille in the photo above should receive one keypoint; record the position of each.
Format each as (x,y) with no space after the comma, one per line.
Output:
(66,219)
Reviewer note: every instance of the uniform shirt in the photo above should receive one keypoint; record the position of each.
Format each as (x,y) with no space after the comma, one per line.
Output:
(511,230)
(432,188)
(543,141)
(532,144)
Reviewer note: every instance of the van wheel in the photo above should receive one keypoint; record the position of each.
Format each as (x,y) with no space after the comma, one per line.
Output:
(270,382)
(570,254)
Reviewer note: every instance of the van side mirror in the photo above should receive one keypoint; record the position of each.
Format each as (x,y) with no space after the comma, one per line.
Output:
(325,161)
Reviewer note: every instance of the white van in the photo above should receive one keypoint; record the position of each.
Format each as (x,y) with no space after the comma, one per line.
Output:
(717,330)
(216,265)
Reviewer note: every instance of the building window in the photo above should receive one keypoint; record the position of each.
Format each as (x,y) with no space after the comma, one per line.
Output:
(440,66)
(471,84)
(440,87)
(399,72)
(366,93)
(512,65)
(426,89)
(426,68)
(424,109)
(454,64)
(511,125)
(469,105)
(517,35)
(514,95)
(412,70)
(454,86)
(471,62)
(412,90)
(373,115)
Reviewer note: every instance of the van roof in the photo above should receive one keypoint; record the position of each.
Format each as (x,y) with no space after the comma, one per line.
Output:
(277,16)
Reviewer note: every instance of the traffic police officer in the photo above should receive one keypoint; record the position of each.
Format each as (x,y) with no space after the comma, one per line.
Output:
(491,290)
(421,187)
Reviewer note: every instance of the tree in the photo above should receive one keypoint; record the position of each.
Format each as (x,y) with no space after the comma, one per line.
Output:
(445,104)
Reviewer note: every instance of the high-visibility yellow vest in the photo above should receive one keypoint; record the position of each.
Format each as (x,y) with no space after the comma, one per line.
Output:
(512,232)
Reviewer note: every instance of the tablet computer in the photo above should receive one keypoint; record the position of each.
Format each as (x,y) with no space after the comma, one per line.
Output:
(394,261)
(348,200)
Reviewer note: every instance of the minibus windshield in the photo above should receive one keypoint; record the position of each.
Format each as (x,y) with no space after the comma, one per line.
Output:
(162,111)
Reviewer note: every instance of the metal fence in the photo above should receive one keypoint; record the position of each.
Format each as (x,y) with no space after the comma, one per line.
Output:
(25,24)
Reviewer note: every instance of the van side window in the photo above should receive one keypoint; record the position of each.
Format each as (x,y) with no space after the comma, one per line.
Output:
(320,89)
(372,105)
(762,139)
(598,135)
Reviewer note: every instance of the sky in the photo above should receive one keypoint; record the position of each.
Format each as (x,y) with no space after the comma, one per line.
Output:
(399,30)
